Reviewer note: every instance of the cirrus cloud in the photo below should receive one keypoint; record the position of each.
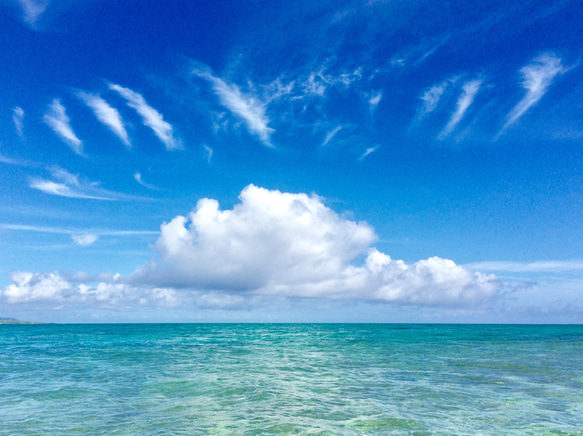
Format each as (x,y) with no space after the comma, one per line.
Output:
(150,116)
(106,114)
(247,107)
(469,91)
(57,119)
(65,184)
(18,119)
(536,79)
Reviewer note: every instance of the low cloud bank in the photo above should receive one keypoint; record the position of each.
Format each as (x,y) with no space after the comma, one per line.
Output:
(271,244)
(42,288)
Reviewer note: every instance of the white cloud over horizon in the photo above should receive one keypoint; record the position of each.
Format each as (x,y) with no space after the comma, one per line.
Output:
(536,79)
(150,116)
(51,288)
(270,245)
(248,108)
(57,119)
(292,245)
(106,114)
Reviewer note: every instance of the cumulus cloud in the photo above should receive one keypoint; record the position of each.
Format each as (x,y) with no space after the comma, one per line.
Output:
(151,117)
(18,119)
(57,119)
(536,79)
(284,244)
(65,184)
(43,288)
(248,108)
(84,239)
(106,114)
(469,91)
(270,245)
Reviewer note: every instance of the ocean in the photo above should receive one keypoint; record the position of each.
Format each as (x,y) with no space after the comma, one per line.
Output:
(280,379)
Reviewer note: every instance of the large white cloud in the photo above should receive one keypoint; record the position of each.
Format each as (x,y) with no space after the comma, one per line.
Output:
(271,244)
(275,243)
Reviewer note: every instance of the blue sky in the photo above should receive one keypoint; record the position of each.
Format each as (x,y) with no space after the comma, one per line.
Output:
(252,161)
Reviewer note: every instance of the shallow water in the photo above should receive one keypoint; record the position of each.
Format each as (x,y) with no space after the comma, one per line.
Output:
(332,379)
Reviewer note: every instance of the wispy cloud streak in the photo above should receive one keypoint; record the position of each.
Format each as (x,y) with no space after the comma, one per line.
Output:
(208,152)
(57,119)
(61,190)
(8,161)
(526,267)
(151,117)
(65,184)
(470,89)
(536,79)
(375,99)
(331,135)
(138,178)
(32,9)
(431,97)
(248,108)
(18,119)
(106,114)
(66,231)
(368,151)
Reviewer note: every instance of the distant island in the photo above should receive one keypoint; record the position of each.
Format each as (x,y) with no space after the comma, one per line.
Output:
(16,321)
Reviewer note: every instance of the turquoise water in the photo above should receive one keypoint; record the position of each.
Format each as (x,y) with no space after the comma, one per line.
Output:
(331,379)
